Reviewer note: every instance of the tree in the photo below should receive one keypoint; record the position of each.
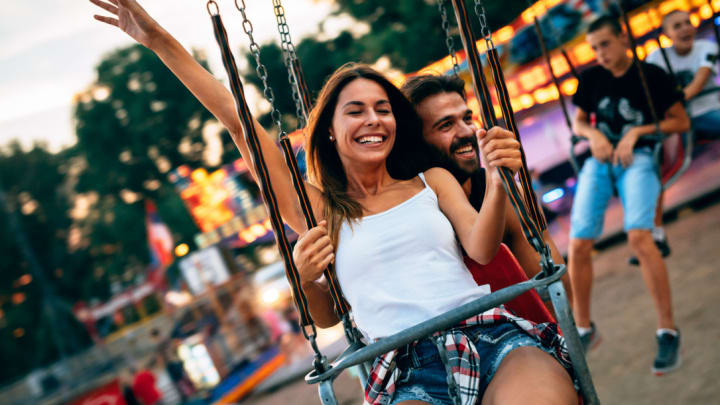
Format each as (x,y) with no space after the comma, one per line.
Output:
(38,274)
(408,32)
(134,124)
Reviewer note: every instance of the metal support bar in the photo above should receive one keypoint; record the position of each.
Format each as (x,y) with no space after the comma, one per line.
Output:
(572,340)
(327,393)
(427,328)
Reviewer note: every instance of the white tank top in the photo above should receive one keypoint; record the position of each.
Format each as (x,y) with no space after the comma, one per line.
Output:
(403,266)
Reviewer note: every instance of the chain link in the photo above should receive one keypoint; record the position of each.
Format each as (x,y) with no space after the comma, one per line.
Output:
(449,41)
(260,68)
(484,27)
(289,55)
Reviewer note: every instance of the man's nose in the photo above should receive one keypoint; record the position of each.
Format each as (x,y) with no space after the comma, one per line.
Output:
(467,129)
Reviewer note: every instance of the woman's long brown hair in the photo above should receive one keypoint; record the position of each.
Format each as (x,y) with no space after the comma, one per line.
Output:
(409,156)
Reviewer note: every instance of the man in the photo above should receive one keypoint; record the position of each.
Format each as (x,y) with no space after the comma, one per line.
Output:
(622,160)
(448,126)
(694,65)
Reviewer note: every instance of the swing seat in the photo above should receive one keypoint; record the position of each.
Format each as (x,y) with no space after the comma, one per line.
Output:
(676,156)
(504,271)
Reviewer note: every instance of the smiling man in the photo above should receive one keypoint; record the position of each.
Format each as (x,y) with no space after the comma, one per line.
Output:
(448,126)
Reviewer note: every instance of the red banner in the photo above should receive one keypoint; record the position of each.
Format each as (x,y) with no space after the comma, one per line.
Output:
(108,394)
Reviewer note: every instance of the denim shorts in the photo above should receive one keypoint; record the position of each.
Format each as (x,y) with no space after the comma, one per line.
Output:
(638,187)
(422,373)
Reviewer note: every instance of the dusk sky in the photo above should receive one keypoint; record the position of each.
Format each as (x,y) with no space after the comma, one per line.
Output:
(49,50)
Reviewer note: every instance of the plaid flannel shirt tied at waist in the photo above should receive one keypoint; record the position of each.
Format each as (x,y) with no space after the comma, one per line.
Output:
(462,356)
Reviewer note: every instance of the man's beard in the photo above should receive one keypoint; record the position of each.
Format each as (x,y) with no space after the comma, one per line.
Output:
(447,162)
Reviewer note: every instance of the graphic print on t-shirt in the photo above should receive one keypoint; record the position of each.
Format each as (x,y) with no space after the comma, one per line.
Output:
(616,116)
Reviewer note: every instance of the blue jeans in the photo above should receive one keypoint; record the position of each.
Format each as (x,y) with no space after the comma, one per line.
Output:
(707,125)
(422,373)
(638,187)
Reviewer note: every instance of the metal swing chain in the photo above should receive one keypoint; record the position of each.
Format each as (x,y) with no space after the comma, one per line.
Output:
(320,361)
(260,68)
(641,73)
(484,27)
(449,41)
(546,260)
(289,55)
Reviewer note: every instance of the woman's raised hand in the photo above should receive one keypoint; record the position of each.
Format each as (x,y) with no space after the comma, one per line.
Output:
(498,147)
(313,252)
(131,18)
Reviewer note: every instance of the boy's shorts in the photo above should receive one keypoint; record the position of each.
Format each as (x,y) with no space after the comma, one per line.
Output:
(638,187)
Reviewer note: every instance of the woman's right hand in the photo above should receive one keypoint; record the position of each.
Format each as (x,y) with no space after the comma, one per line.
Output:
(131,18)
(313,252)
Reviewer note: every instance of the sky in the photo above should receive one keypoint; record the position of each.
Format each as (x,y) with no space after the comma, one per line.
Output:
(49,50)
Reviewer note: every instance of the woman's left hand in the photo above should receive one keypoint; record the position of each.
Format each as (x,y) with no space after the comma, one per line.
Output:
(498,147)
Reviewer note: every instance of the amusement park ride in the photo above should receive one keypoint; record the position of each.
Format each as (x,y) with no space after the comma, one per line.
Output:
(532,78)
(540,53)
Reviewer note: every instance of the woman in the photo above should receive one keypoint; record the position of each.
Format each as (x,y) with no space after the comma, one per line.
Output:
(392,222)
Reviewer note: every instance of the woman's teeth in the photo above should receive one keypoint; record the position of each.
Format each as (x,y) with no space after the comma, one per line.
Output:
(370,139)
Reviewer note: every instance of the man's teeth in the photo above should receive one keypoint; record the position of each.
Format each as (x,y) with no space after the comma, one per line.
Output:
(464,149)
(370,139)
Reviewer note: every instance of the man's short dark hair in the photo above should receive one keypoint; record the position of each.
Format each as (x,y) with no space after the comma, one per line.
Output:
(605,21)
(418,88)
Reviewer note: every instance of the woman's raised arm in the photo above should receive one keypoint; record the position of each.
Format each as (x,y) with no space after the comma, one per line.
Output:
(132,19)
(480,233)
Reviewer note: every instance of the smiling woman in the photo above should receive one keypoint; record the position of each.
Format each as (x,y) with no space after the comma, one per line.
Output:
(394,221)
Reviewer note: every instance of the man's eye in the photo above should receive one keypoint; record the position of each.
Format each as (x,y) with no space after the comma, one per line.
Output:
(445,125)
(383,111)
(354,112)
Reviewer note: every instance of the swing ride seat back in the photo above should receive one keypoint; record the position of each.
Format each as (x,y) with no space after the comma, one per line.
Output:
(504,271)
(676,157)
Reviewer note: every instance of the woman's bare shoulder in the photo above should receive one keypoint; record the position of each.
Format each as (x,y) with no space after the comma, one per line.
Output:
(438,176)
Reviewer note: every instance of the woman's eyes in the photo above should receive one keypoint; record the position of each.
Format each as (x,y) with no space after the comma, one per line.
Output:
(383,111)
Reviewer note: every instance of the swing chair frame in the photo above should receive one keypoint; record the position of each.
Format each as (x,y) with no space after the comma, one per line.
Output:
(548,280)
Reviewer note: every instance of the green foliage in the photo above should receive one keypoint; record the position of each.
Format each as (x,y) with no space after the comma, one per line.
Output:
(34,231)
(408,32)
(136,123)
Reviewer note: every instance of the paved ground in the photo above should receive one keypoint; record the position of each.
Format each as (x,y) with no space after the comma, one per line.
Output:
(625,316)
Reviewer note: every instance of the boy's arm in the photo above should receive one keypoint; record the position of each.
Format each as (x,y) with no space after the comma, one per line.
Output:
(675,120)
(600,147)
(698,83)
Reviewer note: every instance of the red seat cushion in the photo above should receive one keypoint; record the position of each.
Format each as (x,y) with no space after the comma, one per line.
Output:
(503,271)
(673,156)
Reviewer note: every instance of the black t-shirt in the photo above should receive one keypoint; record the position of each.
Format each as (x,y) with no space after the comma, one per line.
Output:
(477,188)
(619,103)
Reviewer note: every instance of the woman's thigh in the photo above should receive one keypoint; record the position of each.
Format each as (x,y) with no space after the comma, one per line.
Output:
(528,375)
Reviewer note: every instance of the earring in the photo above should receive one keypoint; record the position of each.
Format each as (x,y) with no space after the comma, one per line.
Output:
(332,138)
